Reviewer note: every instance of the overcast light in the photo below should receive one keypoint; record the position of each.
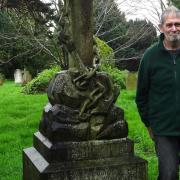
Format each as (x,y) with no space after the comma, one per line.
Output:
(142,9)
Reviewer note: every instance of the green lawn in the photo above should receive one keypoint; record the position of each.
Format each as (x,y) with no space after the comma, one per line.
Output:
(19,118)
(144,146)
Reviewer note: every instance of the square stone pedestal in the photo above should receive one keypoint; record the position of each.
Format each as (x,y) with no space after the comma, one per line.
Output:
(87,160)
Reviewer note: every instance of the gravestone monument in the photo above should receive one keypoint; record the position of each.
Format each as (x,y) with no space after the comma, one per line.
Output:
(26,76)
(131,81)
(18,78)
(82,134)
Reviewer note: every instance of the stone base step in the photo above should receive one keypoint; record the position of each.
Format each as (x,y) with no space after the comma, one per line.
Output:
(35,167)
(83,150)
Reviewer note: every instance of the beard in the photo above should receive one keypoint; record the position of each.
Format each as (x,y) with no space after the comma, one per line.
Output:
(173,37)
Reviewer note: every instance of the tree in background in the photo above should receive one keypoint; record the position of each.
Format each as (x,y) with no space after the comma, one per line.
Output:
(128,39)
(26,40)
(36,26)
(176,3)
(150,10)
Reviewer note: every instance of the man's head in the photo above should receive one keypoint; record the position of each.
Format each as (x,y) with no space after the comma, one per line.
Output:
(170,24)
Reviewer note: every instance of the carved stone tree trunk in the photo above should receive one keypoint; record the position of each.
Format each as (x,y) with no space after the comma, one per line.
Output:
(82,30)
(77,24)
(82,133)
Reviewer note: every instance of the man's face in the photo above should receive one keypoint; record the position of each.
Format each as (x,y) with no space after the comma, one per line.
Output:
(171,28)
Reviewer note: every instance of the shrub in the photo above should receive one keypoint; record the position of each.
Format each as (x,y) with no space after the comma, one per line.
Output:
(106,56)
(118,76)
(105,52)
(40,83)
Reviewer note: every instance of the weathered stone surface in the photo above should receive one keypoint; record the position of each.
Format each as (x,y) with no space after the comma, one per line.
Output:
(34,165)
(85,150)
(81,12)
(82,99)
(81,107)
(18,79)
(70,106)
(26,76)
(131,81)
(93,160)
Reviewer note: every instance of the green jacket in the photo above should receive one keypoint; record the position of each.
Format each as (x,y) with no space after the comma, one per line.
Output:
(158,90)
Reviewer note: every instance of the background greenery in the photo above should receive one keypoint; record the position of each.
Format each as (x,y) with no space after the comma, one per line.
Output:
(20,116)
(126,38)
(40,83)
(26,42)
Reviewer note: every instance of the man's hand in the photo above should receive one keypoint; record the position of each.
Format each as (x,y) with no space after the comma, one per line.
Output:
(150,133)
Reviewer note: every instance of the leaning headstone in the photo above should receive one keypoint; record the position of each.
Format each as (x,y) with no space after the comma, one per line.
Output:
(18,78)
(26,76)
(82,133)
(131,81)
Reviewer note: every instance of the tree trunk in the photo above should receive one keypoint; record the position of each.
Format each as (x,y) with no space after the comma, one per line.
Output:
(82,31)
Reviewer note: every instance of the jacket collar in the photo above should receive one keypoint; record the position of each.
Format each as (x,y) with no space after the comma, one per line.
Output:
(161,45)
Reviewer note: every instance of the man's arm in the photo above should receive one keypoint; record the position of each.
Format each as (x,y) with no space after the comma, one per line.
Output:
(143,91)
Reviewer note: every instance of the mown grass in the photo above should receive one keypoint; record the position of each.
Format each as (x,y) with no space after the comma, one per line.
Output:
(144,146)
(19,119)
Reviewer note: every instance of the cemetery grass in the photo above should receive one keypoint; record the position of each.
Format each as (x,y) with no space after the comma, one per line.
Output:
(19,119)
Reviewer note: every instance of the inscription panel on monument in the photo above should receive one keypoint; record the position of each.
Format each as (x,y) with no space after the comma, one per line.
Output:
(102,149)
(132,172)
(86,150)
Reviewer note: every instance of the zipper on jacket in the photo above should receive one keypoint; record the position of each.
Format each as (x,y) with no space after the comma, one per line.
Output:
(175,78)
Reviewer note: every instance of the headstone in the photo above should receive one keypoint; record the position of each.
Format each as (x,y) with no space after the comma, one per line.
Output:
(131,81)
(18,78)
(26,76)
(82,133)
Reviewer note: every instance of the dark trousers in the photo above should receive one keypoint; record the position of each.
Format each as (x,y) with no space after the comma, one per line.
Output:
(168,150)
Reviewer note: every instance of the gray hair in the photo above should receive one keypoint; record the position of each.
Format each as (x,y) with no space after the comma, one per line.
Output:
(168,11)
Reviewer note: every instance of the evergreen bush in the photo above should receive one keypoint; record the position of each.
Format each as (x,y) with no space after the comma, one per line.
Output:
(40,83)
(105,52)
(118,76)
(106,56)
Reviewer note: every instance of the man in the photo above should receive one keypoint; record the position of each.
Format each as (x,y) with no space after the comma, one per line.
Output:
(158,94)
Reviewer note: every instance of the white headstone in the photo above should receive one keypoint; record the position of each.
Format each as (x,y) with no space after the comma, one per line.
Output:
(18,79)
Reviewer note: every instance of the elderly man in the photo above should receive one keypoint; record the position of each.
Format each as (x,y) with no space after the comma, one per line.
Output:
(158,94)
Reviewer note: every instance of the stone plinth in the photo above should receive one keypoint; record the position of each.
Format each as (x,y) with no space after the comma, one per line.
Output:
(87,160)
